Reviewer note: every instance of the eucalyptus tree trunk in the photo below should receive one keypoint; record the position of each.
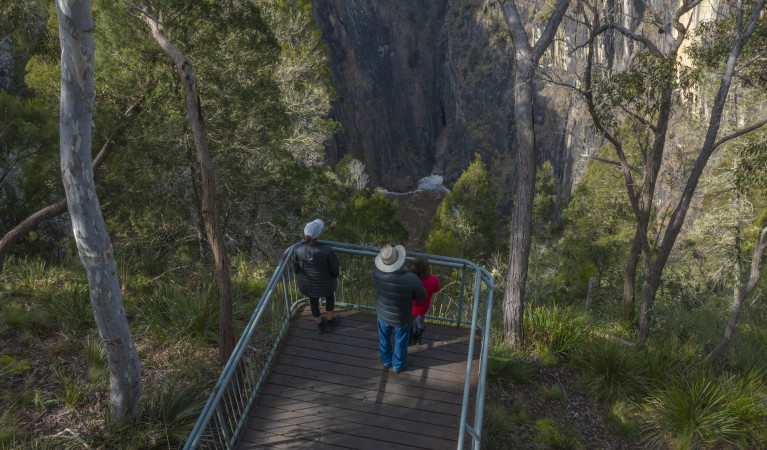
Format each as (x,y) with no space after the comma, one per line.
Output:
(208,183)
(526,60)
(93,243)
(744,30)
(739,295)
(629,279)
(58,208)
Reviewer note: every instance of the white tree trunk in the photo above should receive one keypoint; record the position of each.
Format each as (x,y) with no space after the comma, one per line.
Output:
(740,295)
(93,243)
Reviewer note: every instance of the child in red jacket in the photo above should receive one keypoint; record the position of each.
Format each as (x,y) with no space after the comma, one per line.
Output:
(421,268)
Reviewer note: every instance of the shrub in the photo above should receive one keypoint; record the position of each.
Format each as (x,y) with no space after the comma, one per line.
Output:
(610,370)
(176,407)
(554,438)
(74,391)
(508,364)
(555,330)
(10,366)
(621,419)
(97,359)
(72,307)
(34,321)
(172,310)
(496,426)
(698,411)
(551,393)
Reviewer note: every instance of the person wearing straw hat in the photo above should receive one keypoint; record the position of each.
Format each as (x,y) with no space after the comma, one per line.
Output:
(396,289)
(318,269)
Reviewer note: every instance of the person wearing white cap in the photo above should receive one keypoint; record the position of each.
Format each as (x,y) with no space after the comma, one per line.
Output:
(318,269)
(396,289)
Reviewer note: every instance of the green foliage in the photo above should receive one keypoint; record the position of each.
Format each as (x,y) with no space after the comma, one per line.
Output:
(10,428)
(550,434)
(554,330)
(545,202)
(598,225)
(74,391)
(551,393)
(302,76)
(71,306)
(464,225)
(496,426)
(368,218)
(33,321)
(752,171)
(714,39)
(174,407)
(621,418)
(697,411)
(10,366)
(172,311)
(96,356)
(610,369)
(641,86)
(508,364)
(28,150)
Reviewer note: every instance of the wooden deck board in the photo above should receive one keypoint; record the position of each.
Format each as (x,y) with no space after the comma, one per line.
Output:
(330,391)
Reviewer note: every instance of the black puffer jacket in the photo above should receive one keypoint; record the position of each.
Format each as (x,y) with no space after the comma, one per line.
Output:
(318,267)
(395,293)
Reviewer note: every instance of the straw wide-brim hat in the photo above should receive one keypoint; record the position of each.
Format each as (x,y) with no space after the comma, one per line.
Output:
(390,259)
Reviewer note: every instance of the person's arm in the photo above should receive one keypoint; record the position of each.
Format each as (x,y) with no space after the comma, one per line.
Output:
(436,284)
(333,265)
(296,265)
(419,293)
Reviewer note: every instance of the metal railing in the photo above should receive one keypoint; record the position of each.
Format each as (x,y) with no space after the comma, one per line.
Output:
(226,411)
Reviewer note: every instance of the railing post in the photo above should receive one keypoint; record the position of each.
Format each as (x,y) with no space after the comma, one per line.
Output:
(460,296)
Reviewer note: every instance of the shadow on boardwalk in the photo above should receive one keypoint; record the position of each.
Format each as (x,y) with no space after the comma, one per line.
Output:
(330,390)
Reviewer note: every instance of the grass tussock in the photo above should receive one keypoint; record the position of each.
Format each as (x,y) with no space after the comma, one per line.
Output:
(704,411)
(56,365)
(554,331)
(508,364)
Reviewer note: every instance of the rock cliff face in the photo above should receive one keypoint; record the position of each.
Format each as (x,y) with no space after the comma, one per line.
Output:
(423,85)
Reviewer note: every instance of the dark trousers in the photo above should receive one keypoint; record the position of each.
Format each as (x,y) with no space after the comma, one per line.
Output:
(314,302)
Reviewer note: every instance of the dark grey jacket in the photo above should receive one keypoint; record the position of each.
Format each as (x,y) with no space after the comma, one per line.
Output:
(318,267)
(395,293)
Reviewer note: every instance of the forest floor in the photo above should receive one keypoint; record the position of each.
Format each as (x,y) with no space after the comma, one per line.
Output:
(549,411)
(61,399)
(53,399)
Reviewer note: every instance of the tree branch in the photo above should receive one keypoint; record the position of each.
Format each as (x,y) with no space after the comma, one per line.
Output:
(616,163)
(31,222)
(631,35)
(552,25)
(741,132)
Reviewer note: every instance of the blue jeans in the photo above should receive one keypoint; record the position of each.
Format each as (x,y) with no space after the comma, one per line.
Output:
(398,357)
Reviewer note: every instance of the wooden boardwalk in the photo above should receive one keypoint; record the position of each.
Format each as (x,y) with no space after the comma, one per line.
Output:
(330,390)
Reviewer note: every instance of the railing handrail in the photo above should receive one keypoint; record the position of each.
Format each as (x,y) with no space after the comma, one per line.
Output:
(483,276)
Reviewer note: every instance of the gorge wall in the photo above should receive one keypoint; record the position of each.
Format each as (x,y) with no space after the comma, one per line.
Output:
(423,85)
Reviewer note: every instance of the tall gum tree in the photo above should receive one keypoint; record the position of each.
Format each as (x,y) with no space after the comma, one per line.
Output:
(661,58)
(526,59)
(93,243)
(208,180)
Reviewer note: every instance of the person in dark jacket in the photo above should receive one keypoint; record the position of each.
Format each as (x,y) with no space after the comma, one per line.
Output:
(318,268)
(396,289)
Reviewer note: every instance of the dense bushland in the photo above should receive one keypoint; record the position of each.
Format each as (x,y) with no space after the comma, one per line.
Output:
(266,96)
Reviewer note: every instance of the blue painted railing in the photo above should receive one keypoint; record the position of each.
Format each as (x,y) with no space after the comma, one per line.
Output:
(227,408)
